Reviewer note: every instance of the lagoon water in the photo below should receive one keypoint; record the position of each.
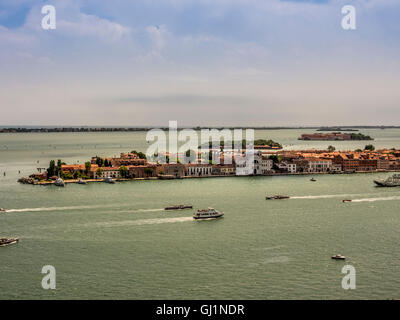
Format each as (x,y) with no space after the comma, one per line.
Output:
(117,242)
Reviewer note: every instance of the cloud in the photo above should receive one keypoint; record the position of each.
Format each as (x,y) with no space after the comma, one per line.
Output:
(252,60)
(85,25)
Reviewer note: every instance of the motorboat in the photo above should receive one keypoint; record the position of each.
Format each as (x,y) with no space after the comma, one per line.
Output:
(109,180)
(7,241)
(209,213)
(80,181)
(313,180)
(393,181)
(276,197)
(2,210)
(338,257)
(346,200)
(178,207)
(59,182)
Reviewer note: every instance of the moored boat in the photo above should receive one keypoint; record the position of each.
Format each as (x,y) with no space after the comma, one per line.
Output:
(178,207)
(59,182)
(80,181)
(7,241)
(277,197)
(209,213)
(109,180)
(338,257)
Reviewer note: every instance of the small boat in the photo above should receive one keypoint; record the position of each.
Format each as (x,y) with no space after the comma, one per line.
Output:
(277,197)
(59,182)
(312,179)
(338,257)
(178,207)
(80,181)
(109,180)
(209,213)
(2,210)
(346,200)
(7,241)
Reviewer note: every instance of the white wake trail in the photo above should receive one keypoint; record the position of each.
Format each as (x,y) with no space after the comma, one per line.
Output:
(377,199)
(53,209)
(139,222)
(325,196)
(78,208)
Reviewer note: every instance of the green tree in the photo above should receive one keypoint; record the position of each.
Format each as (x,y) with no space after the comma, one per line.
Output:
(77,174)
(88,165)
(148,171)
(141,155)
(99,162)
(123,171)
(331,148)
(58,169)
(369,147)
(51,171)
(99,171)
(275,158)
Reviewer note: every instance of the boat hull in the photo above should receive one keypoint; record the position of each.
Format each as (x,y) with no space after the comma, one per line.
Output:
(178,207)
(209,217)
(277,198)
(384,184)
(8,242)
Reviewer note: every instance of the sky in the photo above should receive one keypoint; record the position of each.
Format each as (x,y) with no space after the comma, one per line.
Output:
(200,62)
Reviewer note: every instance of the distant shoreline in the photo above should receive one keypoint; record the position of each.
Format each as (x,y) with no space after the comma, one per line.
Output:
(44,129)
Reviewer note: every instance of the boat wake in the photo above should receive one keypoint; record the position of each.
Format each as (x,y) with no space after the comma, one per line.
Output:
(349,196)
(141,210)
(139,222)
(325,196)
(53,209)
(377,199)
(78,208)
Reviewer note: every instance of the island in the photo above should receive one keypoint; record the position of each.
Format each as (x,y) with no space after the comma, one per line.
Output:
(135,166)
(334,136)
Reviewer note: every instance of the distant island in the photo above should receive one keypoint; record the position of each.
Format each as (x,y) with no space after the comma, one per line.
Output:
(334,136)
(337,129)
(258,144)
(55,129)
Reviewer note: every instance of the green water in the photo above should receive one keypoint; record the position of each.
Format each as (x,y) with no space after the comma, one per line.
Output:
(117,242)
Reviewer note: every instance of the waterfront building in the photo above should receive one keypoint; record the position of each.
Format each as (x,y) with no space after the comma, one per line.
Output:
(128,159)
(266,165)
(106,172)
(198,170)
(227,169)
(301,165)
(347,161)
(336,167)
(146,171)
(291,167)
(319,165)
(176,170)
